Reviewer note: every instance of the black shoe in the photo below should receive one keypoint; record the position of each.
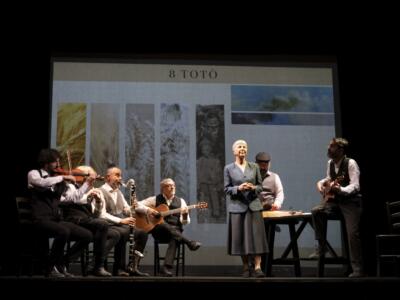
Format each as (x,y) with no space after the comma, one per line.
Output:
(121,272)
(193,245)
(63,270)
(357,274)
(101,272)
(258,273)
(136,272)
(246,274)
(165,272)
(54,273)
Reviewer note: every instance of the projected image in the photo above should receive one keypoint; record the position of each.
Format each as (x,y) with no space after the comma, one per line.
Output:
(174,148)
(139,147)
(71,132)
(210,161)
(104,136)
(282,105)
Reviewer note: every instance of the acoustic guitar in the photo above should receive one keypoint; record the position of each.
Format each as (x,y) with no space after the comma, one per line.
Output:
(147,222)
(327,193)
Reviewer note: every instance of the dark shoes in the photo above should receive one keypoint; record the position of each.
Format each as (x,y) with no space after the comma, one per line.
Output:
(54,273)
(357,275)
(166,272)
(136,272)
(63,270)
(193,245)
(101,272)
(258,273)
(121,272)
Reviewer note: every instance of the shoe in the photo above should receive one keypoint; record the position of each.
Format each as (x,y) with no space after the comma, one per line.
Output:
(121,272)
(63,270)
(101,272)
(136,272)
(258,273)
(357,275)
(54,273)
(246,273)
(316,253)
(165,272)
(193,245)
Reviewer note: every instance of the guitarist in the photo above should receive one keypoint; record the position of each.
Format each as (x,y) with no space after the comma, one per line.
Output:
(345,200)
(171,230)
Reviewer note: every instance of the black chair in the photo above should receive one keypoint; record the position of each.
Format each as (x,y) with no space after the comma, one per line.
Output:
(179,257)
(32,247)
(388,245)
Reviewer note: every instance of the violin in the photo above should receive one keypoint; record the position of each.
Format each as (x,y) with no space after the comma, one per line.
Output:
(79,175)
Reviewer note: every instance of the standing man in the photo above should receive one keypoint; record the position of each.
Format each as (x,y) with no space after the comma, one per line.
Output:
(272,195)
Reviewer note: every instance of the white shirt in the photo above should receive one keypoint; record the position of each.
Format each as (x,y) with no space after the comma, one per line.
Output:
(151,202)
(354,174)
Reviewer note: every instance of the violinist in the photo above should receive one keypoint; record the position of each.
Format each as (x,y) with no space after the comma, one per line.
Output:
(47,191)
(118,212)
(81,206)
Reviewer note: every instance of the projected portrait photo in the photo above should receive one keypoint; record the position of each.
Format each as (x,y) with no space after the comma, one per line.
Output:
(210,161)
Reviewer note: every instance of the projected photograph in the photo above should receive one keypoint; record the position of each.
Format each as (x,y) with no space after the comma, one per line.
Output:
(104,136)
(174,148)
(282,105)
(71,133)
(210,138)
(139,148)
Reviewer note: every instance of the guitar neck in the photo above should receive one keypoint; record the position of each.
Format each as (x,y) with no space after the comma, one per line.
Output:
(176,210)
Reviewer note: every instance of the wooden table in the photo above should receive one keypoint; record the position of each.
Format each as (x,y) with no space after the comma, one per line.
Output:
(290,218)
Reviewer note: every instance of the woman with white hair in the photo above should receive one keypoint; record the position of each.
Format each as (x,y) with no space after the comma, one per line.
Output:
(246,232)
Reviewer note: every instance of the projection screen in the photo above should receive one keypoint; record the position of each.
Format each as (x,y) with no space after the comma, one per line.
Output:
(159,119)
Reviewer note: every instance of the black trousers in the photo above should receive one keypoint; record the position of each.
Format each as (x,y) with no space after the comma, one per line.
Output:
(172,235)
(351,210)
(103,238)
(62,232)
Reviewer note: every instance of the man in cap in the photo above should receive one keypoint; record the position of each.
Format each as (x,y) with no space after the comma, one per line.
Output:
(272,195)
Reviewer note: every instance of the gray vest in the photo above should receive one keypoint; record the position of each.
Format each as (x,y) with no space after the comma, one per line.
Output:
(268,194)
(111,207)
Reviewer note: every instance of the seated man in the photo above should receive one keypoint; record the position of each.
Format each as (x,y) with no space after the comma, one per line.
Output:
(118,213)
(170,230)
(79,207)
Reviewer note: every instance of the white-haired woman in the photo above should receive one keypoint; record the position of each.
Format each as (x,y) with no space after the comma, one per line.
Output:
(246,232)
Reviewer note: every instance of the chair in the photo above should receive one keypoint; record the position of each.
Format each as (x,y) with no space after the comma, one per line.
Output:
(32,248)
(388,245)
(179,257)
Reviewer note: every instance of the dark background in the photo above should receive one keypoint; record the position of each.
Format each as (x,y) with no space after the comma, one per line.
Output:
(367,72)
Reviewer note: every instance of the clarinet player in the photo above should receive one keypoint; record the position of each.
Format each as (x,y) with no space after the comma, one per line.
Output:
(118,212)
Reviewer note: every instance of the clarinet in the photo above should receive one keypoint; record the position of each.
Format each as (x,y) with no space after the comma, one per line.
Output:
(132,252)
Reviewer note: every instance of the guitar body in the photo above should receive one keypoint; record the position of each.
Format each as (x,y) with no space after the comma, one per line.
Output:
(327,193)
(148,222)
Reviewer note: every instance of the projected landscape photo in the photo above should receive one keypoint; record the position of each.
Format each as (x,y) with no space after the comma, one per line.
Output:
(282,105)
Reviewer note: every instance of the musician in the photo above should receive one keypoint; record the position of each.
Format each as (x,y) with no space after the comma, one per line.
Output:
(81,206)
(272,195)
(118,212)
(346,200)
(47,190)
(171,230)
(246,232)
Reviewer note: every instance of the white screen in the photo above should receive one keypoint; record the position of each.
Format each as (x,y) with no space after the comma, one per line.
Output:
(180,120)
